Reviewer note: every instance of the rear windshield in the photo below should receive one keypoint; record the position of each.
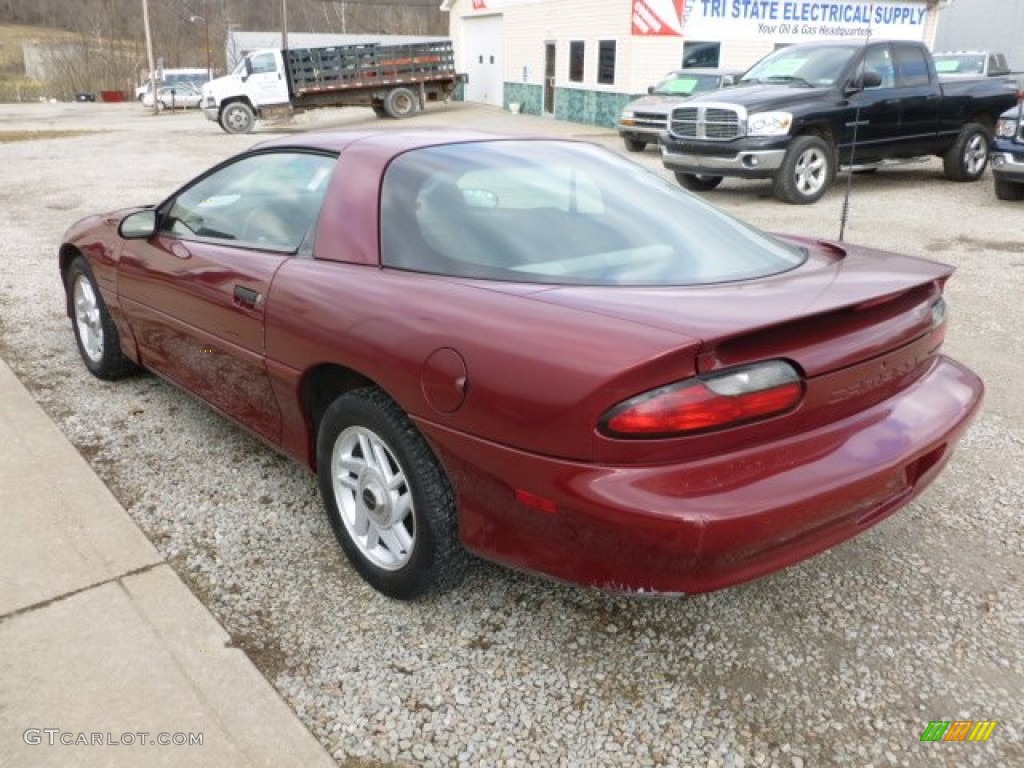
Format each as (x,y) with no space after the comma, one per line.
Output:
(560,213)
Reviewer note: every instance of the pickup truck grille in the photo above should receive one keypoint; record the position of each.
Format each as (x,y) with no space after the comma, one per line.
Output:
(714,123)
(651,120)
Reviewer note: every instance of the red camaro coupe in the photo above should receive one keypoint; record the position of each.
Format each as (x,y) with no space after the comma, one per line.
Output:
(532,350)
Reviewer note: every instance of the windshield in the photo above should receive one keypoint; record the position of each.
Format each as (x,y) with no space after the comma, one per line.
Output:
(807,64)
(560,213)
(960,64)
(684,84)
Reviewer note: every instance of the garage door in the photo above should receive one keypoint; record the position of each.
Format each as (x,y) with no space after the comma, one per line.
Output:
(482,41)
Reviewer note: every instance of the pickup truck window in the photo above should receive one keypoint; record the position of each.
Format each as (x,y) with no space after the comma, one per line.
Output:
(263,63)
(912,66)
(879,60)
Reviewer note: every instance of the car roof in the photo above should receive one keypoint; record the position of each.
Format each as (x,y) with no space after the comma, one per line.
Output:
(385,141)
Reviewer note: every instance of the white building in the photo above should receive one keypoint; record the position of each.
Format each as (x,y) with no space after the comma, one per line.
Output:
(583,60)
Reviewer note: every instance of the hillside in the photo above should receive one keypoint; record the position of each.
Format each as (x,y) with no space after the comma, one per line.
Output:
(14,86)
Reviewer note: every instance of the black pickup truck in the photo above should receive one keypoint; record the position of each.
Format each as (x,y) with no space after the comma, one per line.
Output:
(806,110)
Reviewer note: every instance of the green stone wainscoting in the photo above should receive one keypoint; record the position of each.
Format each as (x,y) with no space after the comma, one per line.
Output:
(593,107)
(527,96)
(573,104)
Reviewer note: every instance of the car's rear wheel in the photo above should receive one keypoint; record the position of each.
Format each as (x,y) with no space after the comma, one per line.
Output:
(806,172)
(95,332)
(387,497)
(967,158)
(1007,190)
(237,117)
(635,145)
(400,102)
(697,182)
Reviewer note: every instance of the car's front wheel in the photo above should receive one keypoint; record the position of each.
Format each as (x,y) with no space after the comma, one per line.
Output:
(237,117)
(387,497)
(806,172)
(95,332)
(697,182)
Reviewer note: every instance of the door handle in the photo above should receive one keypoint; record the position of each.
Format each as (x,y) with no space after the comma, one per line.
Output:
(246,297)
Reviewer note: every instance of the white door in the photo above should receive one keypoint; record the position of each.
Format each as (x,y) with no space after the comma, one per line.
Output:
(483,42)
(266,83)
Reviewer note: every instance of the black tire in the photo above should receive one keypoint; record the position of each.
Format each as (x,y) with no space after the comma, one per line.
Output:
(1008,190)
(399,492)
(967,159)
(698,182)
(95,333)
(807,171)
(399,103)
(378,110)
(634,145)
(237,117)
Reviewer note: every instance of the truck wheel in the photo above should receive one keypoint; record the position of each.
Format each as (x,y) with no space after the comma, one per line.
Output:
(1007,190)
(237,117)
(698,183)
(400,102)
(378,110)
(967,158)
(635,145)
(807,171)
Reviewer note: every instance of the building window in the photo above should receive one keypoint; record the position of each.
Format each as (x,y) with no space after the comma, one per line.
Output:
(701,54)
(576,61)
(606,62)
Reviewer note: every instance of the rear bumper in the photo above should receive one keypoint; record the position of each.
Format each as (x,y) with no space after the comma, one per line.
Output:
(705,525)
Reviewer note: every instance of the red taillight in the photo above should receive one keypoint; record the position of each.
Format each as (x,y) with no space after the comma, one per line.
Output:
(711,402)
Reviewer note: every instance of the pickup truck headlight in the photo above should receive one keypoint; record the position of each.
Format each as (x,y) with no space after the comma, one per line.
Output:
(1006,127)
(769,124)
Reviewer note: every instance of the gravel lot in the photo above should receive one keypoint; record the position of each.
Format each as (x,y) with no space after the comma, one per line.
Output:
(842,660)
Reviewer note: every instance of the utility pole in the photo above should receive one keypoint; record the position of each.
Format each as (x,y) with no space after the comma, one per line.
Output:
(284,24)
(149,53)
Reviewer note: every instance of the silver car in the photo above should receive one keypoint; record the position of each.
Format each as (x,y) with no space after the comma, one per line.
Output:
(642,120)
(177,96)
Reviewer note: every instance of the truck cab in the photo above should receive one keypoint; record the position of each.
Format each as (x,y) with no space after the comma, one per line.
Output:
(258,82)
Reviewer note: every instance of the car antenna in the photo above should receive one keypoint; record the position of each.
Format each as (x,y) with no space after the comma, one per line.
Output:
(853,146)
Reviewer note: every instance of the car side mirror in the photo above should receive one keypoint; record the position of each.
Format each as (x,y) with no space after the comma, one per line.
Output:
(138,226)
(867,79)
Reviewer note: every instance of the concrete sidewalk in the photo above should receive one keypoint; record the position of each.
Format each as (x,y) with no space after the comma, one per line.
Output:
(104,652)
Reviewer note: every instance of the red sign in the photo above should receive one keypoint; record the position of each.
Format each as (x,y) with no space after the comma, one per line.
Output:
(479,5)
(661,18)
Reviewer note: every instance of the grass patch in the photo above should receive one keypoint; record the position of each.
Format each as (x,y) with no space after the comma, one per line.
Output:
(7,137)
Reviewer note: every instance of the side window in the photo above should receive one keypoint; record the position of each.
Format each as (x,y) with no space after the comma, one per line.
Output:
(606,62)
(263,63)
(576,53)
(911,66)
(879,60)
(268,200)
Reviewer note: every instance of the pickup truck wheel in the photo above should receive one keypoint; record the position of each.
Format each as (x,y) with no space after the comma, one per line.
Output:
(387,497)
(237,117)
(1007,190)
(95,332)
(967,158)
(698,182)
(400,102)
(807,171)
(635,145)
